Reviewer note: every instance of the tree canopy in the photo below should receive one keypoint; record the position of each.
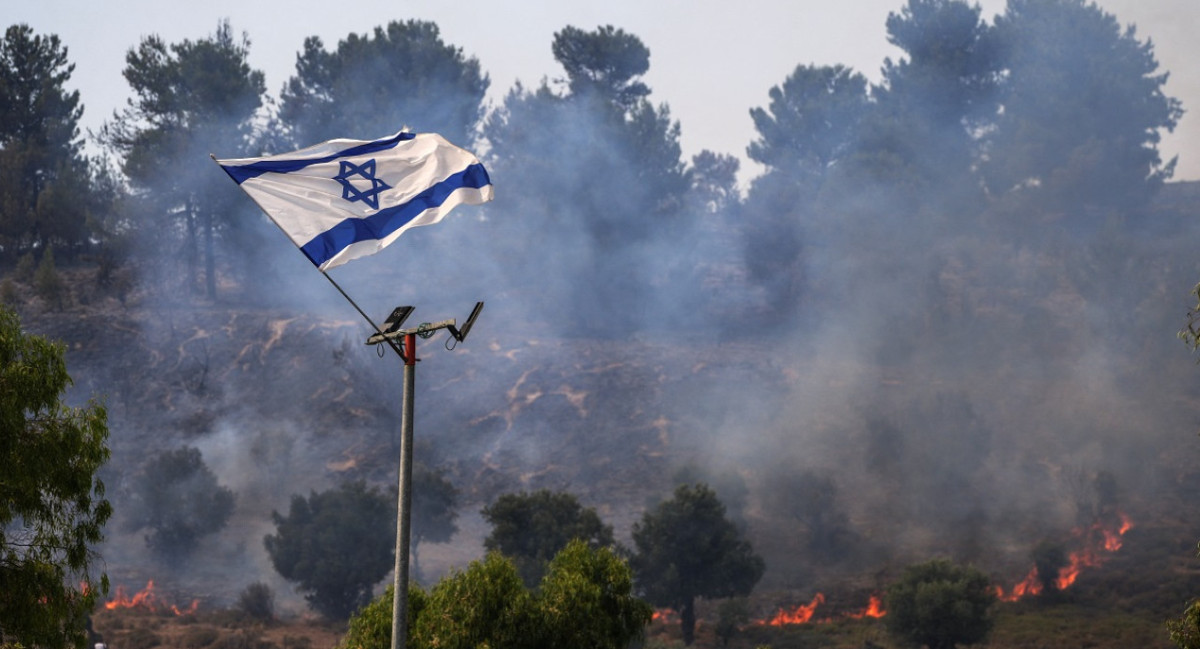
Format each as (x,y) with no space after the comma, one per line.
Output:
(585,600)
(178,499)
(686,548)
(602,179)
(52,504)
(193,99)
(940,605)
(45,193)
(402,74)
(1080,124)
(336,545)
(531,528)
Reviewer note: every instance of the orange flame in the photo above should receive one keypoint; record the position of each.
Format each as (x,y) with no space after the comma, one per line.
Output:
(664,615)
(874,609)
(804,613)
(800,615)
(1096,539)
(147,599)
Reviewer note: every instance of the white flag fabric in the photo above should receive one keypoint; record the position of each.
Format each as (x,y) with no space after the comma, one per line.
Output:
(344,199)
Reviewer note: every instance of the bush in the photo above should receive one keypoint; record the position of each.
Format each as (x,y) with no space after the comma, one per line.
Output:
(257,602)
(940,605)
(585,600)
(180,502)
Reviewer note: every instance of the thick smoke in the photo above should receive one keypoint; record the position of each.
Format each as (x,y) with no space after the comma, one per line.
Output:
(940,386)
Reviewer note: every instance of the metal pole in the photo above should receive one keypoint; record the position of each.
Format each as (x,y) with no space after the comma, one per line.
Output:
(404,502)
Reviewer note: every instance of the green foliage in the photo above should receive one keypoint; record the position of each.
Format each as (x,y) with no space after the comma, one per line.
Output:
(401,74)
(585,601)
(371,626)
(336,545)
(40,159)
(1185,630)
(1190,334)
(686,548)
(47,282)
(812,121)
(606,63)
(1081,124)
(940,605)
(52,505)
(530,528)
(623,186)
(193,98)
(486,605)
(178,499)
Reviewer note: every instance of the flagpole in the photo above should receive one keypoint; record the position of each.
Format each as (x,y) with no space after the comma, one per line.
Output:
(469,183)
(408,351)
(404,500)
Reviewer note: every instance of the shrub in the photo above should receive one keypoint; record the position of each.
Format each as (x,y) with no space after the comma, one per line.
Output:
(257,602)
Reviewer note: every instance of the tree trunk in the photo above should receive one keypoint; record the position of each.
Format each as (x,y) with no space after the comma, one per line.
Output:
(190,246)
(687,620)
(210,265)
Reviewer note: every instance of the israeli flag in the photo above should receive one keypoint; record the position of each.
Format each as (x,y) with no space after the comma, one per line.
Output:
(344,199)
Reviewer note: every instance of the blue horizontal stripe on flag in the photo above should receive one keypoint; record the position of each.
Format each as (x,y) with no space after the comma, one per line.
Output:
(386,221)
(242,173)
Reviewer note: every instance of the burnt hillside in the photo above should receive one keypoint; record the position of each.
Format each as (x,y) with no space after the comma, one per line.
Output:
(971,413)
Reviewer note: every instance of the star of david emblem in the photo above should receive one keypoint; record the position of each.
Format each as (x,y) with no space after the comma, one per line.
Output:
(360,184)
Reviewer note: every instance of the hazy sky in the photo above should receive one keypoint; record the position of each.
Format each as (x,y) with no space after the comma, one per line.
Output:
(711,61)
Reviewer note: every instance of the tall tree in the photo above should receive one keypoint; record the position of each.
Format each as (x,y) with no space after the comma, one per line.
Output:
(193,99)
(532,527)
(602,178)
(44,178)
(402,74)
(1084,108)
(686,548)
(178,499)
(812,120)
(52,505)
(808,131)
(336,545)
(932,103)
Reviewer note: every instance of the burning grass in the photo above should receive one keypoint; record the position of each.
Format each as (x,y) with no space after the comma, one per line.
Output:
(141,628)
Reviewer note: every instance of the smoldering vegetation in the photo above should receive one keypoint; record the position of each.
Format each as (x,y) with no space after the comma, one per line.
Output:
(921,332)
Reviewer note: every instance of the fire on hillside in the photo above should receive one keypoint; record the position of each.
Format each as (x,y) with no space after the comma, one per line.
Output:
(1097,541)
(149,600)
